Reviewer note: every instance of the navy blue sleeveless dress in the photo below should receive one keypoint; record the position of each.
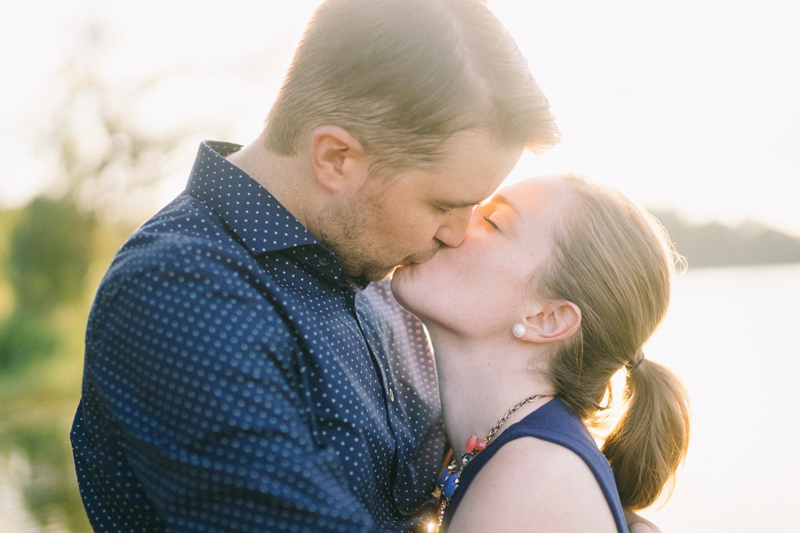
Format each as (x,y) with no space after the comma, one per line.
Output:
(554,422)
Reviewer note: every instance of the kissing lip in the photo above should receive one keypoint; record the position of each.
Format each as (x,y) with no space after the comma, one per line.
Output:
(425,258)
(409,263)
(414,262)
(419,258)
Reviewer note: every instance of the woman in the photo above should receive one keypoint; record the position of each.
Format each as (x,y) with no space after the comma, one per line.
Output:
(557,286)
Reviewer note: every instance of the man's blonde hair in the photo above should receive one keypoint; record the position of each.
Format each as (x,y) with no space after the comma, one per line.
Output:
(401,76)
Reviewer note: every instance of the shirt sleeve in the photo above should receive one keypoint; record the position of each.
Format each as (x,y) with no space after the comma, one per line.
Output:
(200,378)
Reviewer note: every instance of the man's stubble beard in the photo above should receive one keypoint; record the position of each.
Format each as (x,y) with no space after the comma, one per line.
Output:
(345,230)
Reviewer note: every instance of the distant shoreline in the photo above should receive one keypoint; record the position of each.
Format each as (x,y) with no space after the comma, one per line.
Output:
(716,245)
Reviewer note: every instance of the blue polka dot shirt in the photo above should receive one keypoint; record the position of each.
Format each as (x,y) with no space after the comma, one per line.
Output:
(234,381)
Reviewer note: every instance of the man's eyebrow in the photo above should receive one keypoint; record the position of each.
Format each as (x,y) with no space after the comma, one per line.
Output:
(458,205)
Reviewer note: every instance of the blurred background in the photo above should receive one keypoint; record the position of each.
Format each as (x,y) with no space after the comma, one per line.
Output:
(689,108)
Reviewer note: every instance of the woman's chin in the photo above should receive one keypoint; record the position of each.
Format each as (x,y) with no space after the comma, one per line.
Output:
(402,284)
(399,272)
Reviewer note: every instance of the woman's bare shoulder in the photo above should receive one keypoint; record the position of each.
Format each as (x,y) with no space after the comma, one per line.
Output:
(530,480)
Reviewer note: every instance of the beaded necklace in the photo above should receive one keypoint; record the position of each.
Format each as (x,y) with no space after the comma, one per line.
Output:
(448,480)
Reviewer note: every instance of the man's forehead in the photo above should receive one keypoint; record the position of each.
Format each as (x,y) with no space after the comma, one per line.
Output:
(452,193)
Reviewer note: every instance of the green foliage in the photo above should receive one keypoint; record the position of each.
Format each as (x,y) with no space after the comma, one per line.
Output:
(47,249)
(49,488)
(24,339)
(41,352)
(49,252)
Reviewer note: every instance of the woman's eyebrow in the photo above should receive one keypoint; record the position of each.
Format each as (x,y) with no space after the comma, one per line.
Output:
(499,199)
(510,218)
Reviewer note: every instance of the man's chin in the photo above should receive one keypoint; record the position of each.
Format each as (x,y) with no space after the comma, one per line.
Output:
(370,275)
(380,275)
(373,273)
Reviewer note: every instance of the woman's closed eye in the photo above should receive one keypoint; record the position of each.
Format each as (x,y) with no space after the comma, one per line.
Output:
(490,222)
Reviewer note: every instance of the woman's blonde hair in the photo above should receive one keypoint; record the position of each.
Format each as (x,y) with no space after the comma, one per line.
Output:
(615,262)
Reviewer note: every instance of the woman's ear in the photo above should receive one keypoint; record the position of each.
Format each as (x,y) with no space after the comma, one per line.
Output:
(552,321)
(338,159)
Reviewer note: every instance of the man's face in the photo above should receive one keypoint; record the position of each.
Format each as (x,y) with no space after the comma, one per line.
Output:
(405,218)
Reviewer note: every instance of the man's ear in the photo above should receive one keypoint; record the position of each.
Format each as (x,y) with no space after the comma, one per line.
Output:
(552,321)
(338,159)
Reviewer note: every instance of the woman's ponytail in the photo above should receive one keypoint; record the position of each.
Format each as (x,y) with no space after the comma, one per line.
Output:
(650,440)
(615,263)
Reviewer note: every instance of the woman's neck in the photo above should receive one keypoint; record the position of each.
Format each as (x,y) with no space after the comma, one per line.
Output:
(481,379)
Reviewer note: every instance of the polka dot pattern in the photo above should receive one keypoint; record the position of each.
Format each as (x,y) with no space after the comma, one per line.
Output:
(234,382)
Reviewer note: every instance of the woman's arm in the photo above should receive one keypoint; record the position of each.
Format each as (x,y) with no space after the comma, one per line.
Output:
(531,481)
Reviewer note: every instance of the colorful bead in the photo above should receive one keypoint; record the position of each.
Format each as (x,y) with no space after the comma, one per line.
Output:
(471,443)
(443,477)
(448,479)
(450,485)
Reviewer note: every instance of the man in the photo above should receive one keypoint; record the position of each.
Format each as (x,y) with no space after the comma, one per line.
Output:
(240,373)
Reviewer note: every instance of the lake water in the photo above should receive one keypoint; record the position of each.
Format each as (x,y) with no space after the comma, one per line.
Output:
(731,336)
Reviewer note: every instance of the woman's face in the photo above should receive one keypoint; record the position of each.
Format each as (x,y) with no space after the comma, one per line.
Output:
(482,286)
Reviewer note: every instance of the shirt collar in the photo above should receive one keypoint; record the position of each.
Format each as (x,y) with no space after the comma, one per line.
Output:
(253,214)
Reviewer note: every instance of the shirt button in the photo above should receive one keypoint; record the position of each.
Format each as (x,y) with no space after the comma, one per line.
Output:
(391,395)
(324,260)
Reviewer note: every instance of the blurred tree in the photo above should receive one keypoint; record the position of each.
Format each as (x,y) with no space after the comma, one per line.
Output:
(49,254)
(24,339)
(105,156)
(106,161)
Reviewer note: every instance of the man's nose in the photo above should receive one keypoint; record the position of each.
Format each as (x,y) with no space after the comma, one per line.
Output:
(453,231)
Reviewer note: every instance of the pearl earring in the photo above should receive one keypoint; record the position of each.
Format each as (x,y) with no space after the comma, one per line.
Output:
(518,330)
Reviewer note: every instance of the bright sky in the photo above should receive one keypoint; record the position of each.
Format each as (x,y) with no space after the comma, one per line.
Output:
(683,104)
